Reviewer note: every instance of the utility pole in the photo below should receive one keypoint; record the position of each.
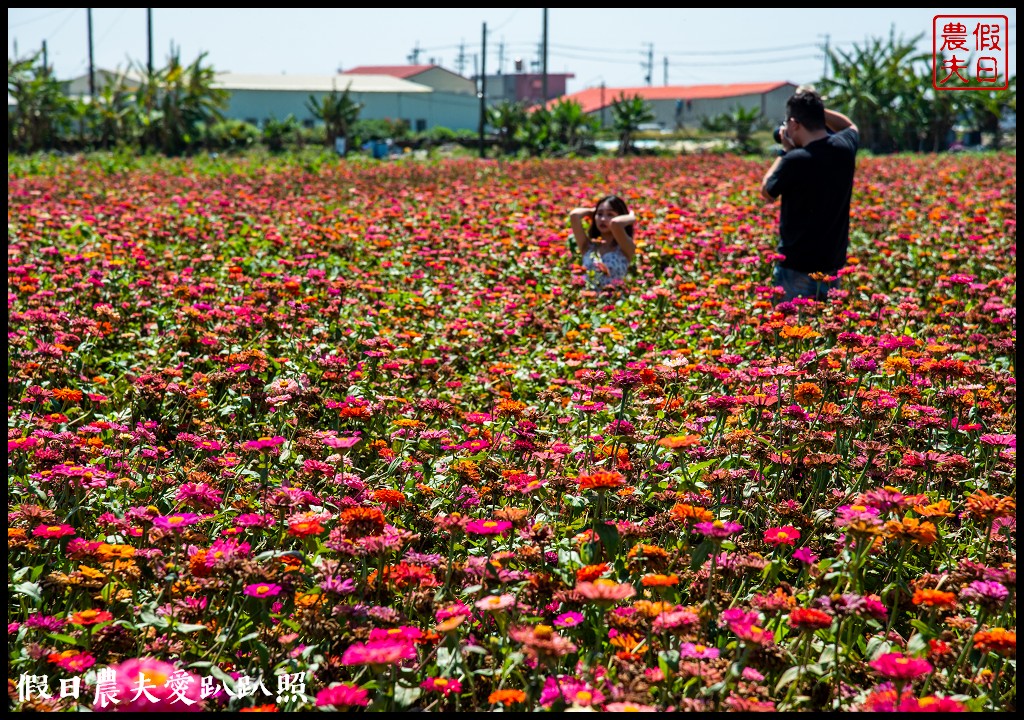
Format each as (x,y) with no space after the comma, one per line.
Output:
(665,68)
(602,103)
(544,59)
(483,88)
(92,68)
(460,59)
(824,71)
(414,56)
(149,41)
(46,64)
(649,65)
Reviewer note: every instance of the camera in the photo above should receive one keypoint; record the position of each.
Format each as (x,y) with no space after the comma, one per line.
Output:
(777,134)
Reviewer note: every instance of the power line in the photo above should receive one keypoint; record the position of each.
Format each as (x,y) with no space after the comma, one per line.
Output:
(745,52)
(747,62)
(42,17)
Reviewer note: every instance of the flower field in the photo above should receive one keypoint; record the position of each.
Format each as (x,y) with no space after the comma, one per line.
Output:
(337,436)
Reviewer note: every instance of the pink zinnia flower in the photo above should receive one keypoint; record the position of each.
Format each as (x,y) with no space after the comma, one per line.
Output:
(176,521)
(378,652)
(148,685)
(403,632)
(76,662)
(339,443)
(568,619)
(629,707)
(678,619)
(262,590)
(746,626)
(445,686)
(496,602)
(570,690)
(343,696)
(53,531)
(605,590)
(697,652)
(210,445)
(805,555)
(785,535)
(718,529)
(263,443)
(897,666)
(488,527)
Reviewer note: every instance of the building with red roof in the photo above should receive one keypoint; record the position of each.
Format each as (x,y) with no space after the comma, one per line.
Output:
(685,106)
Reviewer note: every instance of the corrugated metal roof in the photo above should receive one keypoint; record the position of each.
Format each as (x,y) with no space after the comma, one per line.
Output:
(399,71)
(319,83)
(590,99)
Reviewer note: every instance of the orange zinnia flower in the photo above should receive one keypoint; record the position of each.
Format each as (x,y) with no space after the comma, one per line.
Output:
(387,496)
(691,513)
(509,408)
(936,509)
(807,393)
(921,533)
(90,617)
(305,528)
(934,598)
(674,442)
(656,580)
(997,640)
(588,573)
(360,522)
(982,506)
(601,480)
(67,395)
(506,697)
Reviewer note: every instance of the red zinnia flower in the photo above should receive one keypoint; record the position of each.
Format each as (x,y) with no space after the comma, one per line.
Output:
(809,619)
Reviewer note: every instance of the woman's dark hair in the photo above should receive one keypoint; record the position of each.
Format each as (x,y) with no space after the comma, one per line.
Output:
(620,208)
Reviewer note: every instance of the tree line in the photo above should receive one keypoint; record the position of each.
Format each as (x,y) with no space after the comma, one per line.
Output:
(883,85)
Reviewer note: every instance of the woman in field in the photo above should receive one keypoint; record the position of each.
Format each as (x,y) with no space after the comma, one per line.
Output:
(607,244)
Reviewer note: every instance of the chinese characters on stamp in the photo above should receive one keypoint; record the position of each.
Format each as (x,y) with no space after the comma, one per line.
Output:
(970,52)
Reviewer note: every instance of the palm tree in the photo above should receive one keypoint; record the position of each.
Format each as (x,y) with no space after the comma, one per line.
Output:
(178,102)
(741,122)
(113,116)
(507,120)
(984,109)
(572,126)
(537,133)
(876,86)
(339,113)
(628,114)
(42,109)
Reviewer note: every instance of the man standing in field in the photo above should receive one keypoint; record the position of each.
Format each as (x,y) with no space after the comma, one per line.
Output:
(814,177)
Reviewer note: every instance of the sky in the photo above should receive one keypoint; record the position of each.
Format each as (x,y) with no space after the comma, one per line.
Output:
(629,47)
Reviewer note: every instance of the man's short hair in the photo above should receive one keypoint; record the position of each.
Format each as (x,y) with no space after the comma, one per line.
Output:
(807,108)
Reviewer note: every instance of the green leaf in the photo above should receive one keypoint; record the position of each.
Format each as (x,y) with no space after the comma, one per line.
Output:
(31,589)
(609,535)
(406,696)
(150,619)
(188,627)
(787,677)
(61,637)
